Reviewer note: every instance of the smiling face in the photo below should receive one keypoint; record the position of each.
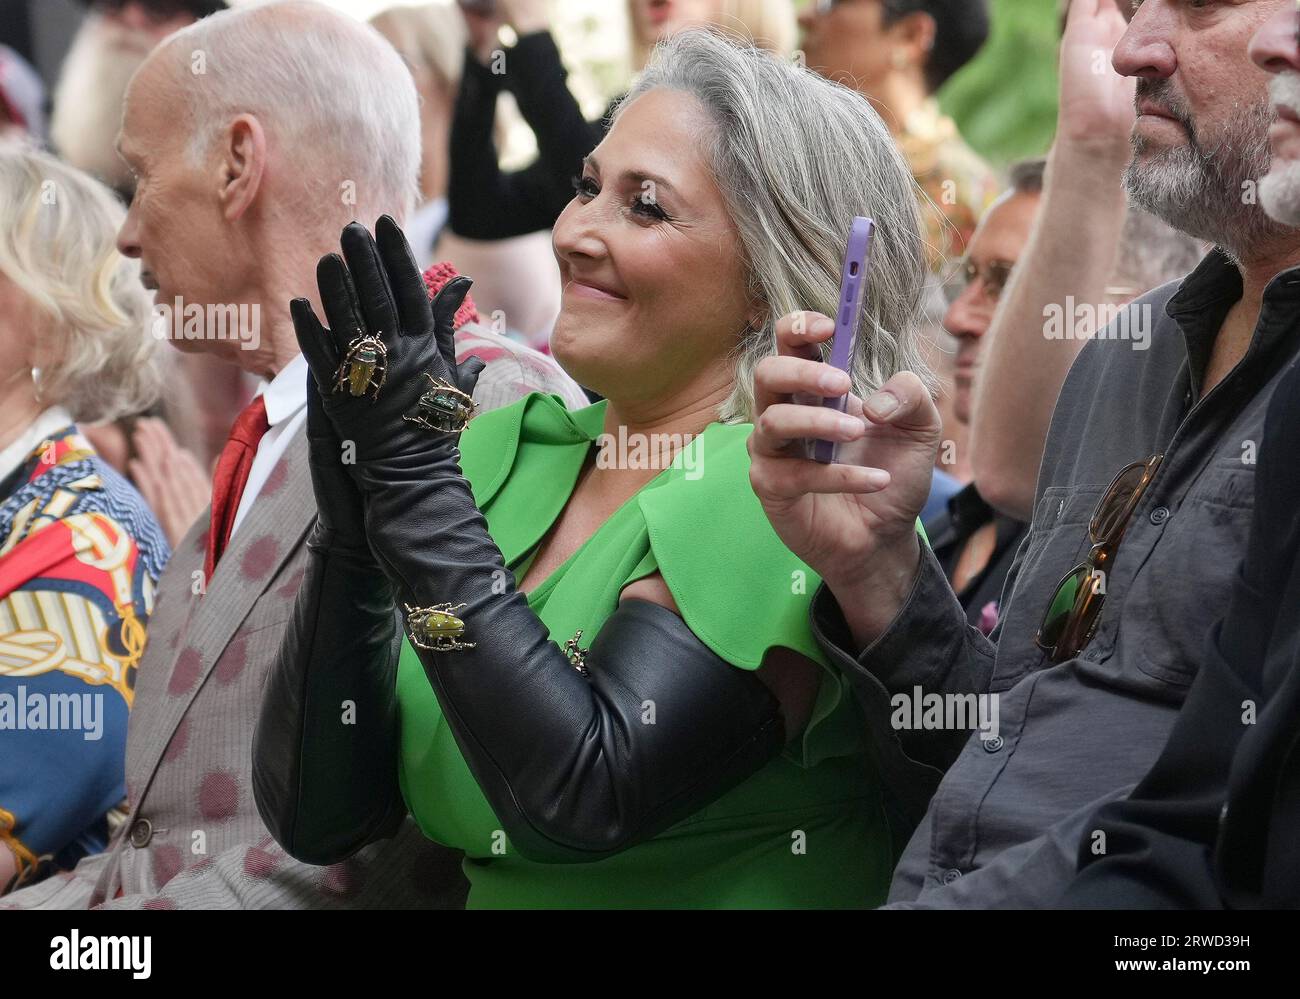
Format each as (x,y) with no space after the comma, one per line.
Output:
(1200,138)
(654,280)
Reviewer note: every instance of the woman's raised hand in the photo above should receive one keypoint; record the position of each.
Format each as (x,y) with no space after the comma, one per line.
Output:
(853,522)
(386,366)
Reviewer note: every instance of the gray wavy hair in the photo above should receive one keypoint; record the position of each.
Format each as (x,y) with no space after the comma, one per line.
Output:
(58,227)
(796,157)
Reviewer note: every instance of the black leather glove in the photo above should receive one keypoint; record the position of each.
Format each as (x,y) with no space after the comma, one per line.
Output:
(382,342)
(333,685)
(569,760)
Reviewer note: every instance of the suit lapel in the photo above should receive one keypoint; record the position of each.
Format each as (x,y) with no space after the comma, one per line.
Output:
(267,537)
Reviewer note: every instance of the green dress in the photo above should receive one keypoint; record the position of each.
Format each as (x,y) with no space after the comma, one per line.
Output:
(806,830)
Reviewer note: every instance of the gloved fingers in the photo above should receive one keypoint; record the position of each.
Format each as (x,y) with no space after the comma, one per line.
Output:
(371,282)
(467,374)
(316,343)
(338,296)
(404,279)
(444,306)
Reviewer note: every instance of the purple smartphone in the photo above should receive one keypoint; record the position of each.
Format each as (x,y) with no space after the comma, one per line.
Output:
(853,284)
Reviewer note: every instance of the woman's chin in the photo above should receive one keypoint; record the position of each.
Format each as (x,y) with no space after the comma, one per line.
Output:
(594,370)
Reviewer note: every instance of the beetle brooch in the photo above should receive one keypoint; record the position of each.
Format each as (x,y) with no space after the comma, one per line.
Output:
(577,655)
(442,408)
(437,628)
(365,366)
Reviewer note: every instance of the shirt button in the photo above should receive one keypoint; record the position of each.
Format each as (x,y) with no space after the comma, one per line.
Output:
(1159,515)
(994,744)
(141,833)
(950,876)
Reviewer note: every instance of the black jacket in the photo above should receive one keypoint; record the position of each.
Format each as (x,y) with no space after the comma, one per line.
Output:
(1216,822)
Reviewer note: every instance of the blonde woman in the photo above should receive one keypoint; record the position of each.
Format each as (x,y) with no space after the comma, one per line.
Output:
(80,551)
(486,203)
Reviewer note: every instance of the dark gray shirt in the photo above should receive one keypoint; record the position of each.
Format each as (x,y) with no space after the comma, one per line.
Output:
(1004,826)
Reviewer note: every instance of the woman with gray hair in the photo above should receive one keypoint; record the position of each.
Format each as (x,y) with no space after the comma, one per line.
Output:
(80,552)
(609,694)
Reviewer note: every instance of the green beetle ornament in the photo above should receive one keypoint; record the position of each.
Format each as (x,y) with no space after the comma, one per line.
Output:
(437,628)
(442,408)
(364,367)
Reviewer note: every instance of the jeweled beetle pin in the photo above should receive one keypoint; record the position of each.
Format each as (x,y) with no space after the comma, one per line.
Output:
(577,655)
(437,628)
(442,407)
(365,366)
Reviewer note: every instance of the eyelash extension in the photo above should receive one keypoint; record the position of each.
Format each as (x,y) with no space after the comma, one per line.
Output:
(585,187)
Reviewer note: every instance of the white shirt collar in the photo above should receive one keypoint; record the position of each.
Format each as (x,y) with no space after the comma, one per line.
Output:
(49,422)
(286,393)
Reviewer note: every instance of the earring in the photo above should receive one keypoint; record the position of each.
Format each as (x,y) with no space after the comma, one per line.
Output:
(36,383)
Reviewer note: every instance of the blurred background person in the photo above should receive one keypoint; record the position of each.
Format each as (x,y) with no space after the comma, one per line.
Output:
(487,203)
(431,38)
(80,552)
(898,53)
(516,283)
(22,98)
(111,43)
(975,544)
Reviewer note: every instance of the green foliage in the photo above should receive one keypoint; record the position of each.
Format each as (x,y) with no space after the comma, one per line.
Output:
(1004,102)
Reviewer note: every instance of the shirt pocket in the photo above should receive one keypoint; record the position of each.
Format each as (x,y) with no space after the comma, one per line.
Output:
(1057,542)
(1184,586)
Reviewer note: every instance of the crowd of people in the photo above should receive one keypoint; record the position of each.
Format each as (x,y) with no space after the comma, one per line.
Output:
(325,583)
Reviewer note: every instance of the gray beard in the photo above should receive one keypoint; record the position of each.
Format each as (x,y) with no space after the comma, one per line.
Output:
(1279,193)
(1210,194)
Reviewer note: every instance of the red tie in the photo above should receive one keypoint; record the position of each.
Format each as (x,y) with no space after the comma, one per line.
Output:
(230,478)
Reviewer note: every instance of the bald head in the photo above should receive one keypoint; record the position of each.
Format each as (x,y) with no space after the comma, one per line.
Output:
(332,97)
(255,135)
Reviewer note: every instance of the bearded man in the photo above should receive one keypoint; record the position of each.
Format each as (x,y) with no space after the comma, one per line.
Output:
(1141,513)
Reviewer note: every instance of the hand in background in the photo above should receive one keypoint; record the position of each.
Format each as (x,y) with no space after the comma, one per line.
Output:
(1096,103)
(169,478)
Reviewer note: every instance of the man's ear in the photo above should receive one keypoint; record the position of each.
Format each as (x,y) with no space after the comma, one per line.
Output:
(242,162)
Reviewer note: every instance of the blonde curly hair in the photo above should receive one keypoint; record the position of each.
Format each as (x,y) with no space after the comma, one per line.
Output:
(58,226)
